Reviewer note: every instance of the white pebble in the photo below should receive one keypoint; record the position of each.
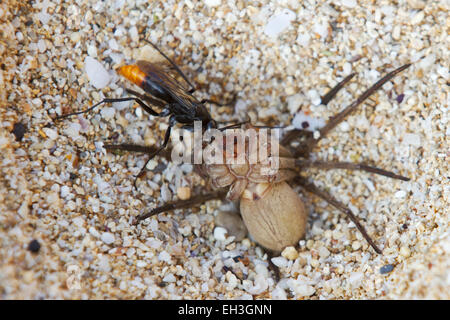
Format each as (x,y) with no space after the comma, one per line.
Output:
(356,245)
(260,285)
(347,68)
(427,62)
(112,43)
(107,237)
(324,252)
(294,102)
(166,194)
(262,269)
(92,51)
(164,256)
(278,23)
(349,3)
(355,279)
(139,112)
(344,126)
(94,232)
(412,139)
(41,45)
(152,164)
(280,262)
(396,32)
(314,96)
(321,29)
(400,194)
(418,17)
(37,102)
(443,72)
(44,17)
(219,233)
(405,252)
(73,130)
(65,191)
(169,278)
(103,264)
(52,134)
(134,34)
(303,39)
(213,3)
(108,112)
(304,290)
(97,74)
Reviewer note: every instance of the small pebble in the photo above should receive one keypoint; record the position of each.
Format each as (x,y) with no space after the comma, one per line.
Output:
(278,23)
(349,3)
(34,246)
(94,232)
(324,252)
(304,290)
(400,98)
(169,278)
(164,256)
(405,252)
(19,130)
(184,193)
(97,74)
(386,269)
(280,262)
(52,134)
(356,245)
(290,253)
(219,233)
(213,3)
(400,194)
(107,237)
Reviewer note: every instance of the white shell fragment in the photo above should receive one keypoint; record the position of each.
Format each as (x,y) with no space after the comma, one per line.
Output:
(278,23)
(97,74)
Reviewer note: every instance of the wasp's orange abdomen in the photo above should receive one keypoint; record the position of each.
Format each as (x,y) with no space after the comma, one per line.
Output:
(133,74)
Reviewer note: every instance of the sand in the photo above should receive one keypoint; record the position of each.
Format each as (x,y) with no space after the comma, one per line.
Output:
(60,187)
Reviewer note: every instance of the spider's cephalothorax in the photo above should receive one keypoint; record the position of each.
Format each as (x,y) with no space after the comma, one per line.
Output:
(248,166)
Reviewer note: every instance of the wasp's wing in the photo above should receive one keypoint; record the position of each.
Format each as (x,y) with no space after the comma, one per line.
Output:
(162,74)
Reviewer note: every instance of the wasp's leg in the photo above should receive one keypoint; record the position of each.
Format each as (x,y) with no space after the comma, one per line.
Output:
(183,204)
(311,142)
(108,100)
(347,166)
(310,187)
